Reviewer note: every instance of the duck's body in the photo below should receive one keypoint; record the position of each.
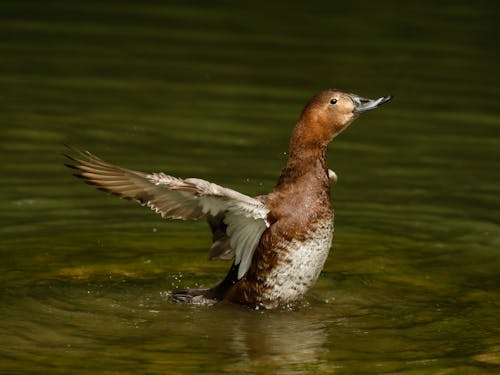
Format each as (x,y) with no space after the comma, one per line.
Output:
(279,241)
(293,250)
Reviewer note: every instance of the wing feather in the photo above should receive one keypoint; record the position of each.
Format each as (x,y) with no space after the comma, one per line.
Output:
(176,198)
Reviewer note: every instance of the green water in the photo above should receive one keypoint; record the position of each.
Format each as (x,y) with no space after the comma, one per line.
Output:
(212,91)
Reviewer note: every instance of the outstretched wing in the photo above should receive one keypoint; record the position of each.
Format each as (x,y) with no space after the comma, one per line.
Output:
(176,198)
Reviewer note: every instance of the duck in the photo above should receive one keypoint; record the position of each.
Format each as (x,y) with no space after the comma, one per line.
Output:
(277,243)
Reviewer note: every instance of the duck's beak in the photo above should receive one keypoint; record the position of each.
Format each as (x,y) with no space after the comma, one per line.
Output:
(362,105)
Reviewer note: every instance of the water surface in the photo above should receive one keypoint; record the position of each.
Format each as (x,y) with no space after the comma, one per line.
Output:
(212,91)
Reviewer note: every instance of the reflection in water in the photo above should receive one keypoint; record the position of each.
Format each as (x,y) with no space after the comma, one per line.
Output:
(284,340)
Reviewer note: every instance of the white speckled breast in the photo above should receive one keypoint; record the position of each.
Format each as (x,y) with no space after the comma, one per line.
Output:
(300,265)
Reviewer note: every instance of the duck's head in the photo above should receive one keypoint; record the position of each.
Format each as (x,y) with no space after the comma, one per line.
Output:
(331,111)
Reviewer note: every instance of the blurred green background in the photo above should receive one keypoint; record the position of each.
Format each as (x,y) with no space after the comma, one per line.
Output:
(212,90)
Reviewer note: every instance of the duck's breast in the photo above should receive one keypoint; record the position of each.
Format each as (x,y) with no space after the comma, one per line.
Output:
(299,263)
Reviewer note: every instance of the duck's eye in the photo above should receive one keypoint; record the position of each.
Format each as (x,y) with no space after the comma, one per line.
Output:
(333,101)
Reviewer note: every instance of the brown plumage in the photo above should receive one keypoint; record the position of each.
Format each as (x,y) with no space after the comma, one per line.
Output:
(279,241)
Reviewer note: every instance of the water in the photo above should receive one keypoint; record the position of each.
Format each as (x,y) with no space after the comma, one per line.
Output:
(212,91)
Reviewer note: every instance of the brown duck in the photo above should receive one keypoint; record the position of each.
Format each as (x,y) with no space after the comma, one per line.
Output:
(278,242)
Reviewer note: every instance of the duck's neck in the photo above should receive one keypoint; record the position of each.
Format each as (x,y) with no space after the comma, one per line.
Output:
(306,158)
